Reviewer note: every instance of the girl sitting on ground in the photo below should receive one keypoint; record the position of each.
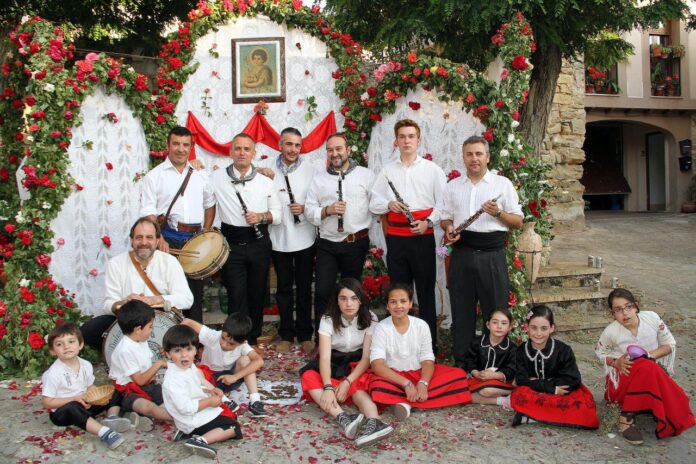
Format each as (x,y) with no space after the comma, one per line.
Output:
(638,352)
(490,361)
(550,389)
(339,374)
(404,371)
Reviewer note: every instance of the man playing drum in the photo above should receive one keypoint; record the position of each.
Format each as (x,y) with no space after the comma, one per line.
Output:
(126,277)
(180,198)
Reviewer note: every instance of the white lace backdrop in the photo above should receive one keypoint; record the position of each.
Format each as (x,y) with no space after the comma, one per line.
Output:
(109,202)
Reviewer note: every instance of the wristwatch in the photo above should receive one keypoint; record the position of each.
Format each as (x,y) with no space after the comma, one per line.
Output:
(498,214)
(430,223)
(424,382)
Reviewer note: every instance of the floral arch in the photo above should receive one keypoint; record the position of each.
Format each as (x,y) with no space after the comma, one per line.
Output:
(41,104)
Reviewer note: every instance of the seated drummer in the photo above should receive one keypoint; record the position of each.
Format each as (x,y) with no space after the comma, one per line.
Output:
(126,276)
(178,195)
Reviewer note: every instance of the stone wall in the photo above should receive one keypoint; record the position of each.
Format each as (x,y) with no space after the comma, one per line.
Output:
(562,148)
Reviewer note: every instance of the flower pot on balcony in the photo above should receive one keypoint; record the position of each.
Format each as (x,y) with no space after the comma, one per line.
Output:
(688,208)
(589,88)
(599,87)
(657,51)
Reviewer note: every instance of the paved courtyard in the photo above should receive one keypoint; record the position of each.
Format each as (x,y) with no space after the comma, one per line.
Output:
(650,253)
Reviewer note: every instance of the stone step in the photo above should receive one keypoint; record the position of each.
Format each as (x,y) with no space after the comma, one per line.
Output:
(567,274)
(575,308)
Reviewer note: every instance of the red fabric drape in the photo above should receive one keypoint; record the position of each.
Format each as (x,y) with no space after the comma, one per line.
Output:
(261,131)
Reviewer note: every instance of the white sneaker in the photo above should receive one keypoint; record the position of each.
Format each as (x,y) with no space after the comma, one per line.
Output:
(402,411)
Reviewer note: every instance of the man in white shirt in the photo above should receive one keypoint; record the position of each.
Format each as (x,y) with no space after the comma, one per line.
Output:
(293,241)
(124,283)
(181,199)
(410,239)
(247,204)
(478,270)
(343,224)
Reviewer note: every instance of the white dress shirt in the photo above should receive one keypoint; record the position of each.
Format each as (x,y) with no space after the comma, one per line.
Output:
(402,352)
(129,357)
(182,390)
(161,184)
(288,236)
(356,193)
(258,194)
(214,356)
(420,185)
(59,381)
(165,272)
(462,198)
(350,338)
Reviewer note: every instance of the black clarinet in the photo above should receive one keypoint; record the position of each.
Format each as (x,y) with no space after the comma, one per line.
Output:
(340,198)
(292,197)
(257,231)
(472,218)
(408,213)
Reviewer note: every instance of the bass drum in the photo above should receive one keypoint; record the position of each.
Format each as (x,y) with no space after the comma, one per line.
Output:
(164,320)
(204,254)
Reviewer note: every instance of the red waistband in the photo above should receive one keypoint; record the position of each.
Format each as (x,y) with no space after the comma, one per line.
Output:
(397,223)
(131,388)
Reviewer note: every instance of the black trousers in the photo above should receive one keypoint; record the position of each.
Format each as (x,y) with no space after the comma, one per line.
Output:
(475,276)
(411,260)
(195,312)
(93,330)
(245,274)
(73,413)
(333,258)
(295,268)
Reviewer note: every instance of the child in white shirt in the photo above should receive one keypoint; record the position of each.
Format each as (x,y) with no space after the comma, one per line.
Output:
(196,405)
(65,385)
(132,370)
(230,358)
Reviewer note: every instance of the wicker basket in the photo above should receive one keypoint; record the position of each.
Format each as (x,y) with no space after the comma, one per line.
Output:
(99,396)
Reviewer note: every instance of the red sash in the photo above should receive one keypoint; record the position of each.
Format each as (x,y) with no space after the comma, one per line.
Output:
(397,223)
(208,374)
(131,389)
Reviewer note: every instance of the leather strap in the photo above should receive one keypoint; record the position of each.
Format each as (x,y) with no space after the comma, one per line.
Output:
(180,192)
(144,276)
(359,235)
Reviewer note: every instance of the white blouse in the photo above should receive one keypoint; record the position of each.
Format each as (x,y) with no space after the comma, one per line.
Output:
(402,352)
(350,338)
(652,332)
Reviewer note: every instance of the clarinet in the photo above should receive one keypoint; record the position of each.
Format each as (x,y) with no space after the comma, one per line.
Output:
(340,198)
(257,231)
(472,218)
(408,213)
(292,197)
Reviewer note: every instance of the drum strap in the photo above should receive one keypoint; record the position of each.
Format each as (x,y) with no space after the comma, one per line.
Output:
(144,276)
(179,192)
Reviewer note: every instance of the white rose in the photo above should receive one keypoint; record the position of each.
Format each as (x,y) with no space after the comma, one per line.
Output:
(46,205)
(504,153)
(511,138)
(24,283)
(19,218)
(515,124)
(49,87)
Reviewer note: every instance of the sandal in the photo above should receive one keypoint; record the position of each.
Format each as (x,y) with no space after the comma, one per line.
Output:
(628,429)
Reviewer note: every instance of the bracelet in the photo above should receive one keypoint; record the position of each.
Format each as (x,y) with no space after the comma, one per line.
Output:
(349,381)
(408,384)
(424,382)
(264,221)
(329,388)
(325,210)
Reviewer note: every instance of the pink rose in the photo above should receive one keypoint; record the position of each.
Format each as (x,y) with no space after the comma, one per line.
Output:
(93,272)
(92,56)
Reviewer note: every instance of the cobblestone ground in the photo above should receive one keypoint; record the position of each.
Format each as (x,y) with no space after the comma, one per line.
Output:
(652,253)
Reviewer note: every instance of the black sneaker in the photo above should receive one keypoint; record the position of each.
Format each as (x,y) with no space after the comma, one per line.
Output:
(180,436)
(200,447)
(233,405)
(112,439)
(373,431)
(257,410)
(350,423)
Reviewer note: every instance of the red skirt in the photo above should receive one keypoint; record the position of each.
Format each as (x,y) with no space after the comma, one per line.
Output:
(448,387)
(311,380)
(576,409)
(476,385)
(648,388)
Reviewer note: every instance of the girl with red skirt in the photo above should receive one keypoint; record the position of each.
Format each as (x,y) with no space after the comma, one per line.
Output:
(550,389)
(339,374)
(404,371)
(638,352)
(490,361)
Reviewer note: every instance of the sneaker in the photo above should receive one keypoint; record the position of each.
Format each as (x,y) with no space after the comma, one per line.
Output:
(283,346)
(257,410)
(519,419)
(630,433)
(350,423)
(402,411)
(140,423)
(116,423)
(112,439)
(180,436)
(373,431)
(200,447)
(232,404)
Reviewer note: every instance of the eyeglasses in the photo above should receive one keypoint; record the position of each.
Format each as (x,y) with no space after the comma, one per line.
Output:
(625,309)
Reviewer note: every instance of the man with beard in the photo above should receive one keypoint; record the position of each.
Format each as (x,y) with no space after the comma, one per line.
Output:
(343,223)
(124,282)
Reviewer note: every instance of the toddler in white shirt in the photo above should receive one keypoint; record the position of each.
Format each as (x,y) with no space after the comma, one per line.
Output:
(197,406)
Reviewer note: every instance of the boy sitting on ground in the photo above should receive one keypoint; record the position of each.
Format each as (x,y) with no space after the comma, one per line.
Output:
(230,358)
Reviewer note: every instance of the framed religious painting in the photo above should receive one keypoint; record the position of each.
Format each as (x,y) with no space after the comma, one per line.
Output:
(258,70)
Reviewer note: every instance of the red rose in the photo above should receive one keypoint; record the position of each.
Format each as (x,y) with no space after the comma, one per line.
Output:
(38,114)
(417,72)
(412,57)
(470,98)
(453,174)
(109,166)
(3,332)
(26,294)
(415,106)
(499,104)
(30,100)
(107,240)
(488,135)
(175,63)
(43,260)
(428,156)
(372,91)
(376,117)
(68,115)
(516,115)
(160,119)
(36,341)
(10,228)
(520,63)
(40,75)
(56,134)
(517,263)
